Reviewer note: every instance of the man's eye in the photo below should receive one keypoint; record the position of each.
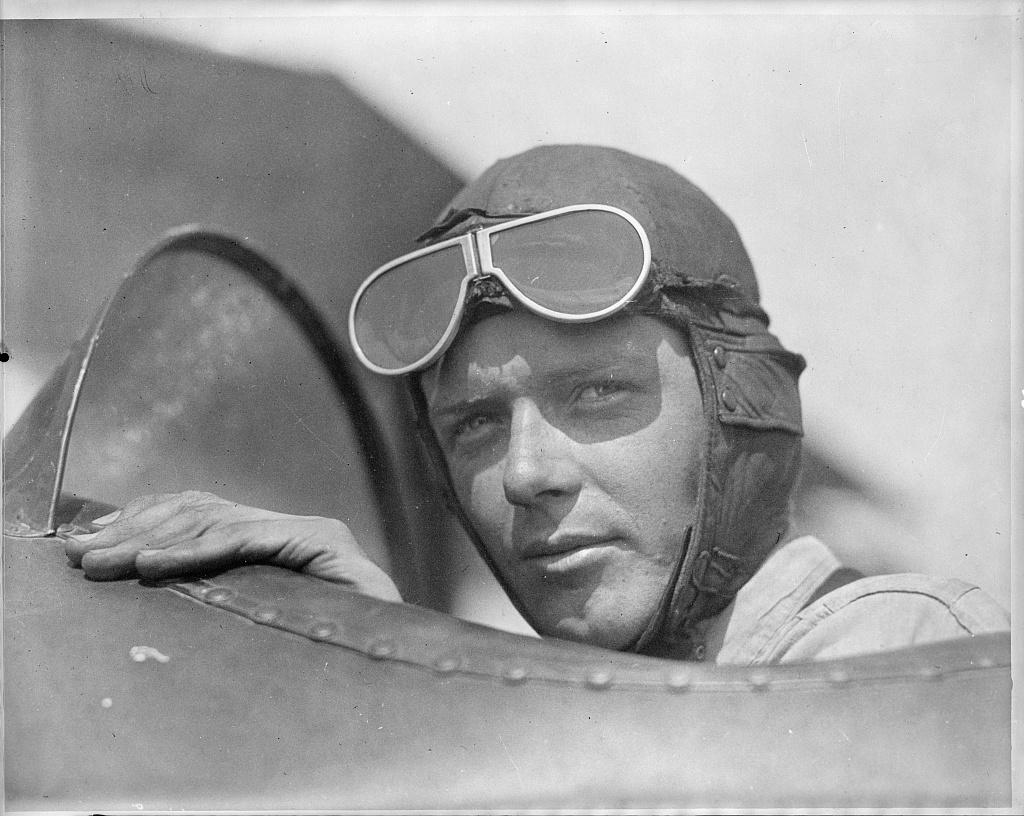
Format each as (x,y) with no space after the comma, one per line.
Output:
(595,392)
(472,428)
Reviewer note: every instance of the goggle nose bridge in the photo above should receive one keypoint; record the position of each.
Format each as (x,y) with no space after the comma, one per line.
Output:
(478,240)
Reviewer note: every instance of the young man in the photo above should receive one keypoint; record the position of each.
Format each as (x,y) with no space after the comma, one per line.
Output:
(616,427)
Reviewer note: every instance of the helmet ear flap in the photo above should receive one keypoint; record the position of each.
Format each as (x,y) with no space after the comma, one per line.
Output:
(751,462)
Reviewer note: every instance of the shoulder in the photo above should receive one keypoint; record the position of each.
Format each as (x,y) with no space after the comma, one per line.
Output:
(885,612)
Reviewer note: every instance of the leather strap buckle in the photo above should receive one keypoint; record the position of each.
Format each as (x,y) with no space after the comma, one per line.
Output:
(713,572)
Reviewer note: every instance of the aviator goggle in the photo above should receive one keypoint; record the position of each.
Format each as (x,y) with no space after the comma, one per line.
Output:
(573,264)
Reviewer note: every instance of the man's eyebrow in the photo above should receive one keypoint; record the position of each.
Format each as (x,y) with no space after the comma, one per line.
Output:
(460,407)
(627,359)
(632,361)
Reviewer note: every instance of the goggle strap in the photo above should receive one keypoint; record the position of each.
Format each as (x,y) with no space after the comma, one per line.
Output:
(455,217)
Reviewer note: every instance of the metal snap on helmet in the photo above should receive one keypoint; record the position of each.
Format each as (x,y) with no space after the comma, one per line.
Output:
(703,283)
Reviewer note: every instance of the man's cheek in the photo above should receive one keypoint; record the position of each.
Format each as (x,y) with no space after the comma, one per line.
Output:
(486,505)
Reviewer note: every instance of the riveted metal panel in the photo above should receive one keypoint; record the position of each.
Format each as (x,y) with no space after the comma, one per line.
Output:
(265,689)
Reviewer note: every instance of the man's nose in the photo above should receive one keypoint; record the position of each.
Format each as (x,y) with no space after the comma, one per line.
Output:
(540,465)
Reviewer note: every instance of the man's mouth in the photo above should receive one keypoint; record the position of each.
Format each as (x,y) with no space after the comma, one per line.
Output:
(561,554)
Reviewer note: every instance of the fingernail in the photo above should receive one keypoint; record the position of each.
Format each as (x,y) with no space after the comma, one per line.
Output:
(83,536)
(109,517)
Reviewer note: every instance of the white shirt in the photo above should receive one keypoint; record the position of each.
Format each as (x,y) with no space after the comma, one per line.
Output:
(767,622)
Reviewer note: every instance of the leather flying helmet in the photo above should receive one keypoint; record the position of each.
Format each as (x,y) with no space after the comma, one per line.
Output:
(701,281)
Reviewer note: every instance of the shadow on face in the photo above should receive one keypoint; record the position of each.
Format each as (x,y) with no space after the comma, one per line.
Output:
(575,451)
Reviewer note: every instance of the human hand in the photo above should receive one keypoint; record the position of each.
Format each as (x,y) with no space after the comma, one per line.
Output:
(175,534)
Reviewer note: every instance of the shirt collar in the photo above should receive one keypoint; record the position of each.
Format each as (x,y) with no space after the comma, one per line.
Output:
(776,592)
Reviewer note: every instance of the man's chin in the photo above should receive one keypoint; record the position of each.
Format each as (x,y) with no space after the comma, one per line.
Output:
(592,633)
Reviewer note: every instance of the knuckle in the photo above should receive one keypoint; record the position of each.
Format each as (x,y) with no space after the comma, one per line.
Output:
(145,501)
(193,516)
(335,527)
(199,497)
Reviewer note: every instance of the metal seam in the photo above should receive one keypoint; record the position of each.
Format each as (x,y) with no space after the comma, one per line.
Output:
(381,646)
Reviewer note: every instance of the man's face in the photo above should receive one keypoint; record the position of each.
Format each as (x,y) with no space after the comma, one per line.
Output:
(575,450)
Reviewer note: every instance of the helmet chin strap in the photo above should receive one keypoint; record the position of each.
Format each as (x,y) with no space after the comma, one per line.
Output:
(657,621)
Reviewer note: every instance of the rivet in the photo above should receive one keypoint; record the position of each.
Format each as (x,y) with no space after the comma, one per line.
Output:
(599,679)
(266,615)
(728,400)
(718,354)
(382,648)
(758,681)
(321,631)
(838,677)
(514,675)
(678,681)
(219,595)
(699,651)
(447,664)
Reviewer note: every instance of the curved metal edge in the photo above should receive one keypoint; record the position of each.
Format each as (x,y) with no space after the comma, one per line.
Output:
(443,645)
(29,519)
(32,486)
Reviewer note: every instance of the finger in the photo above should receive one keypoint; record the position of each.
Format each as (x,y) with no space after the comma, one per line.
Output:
(157,505)
(164,522)
(142,531)
(78,545)
(260,536)
(211,552)
(152,522)
(111,554)
(156,522)
(110,563)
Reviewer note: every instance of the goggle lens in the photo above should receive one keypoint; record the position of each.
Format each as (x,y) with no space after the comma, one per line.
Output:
(577,263)
(404,315)
(573,264)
